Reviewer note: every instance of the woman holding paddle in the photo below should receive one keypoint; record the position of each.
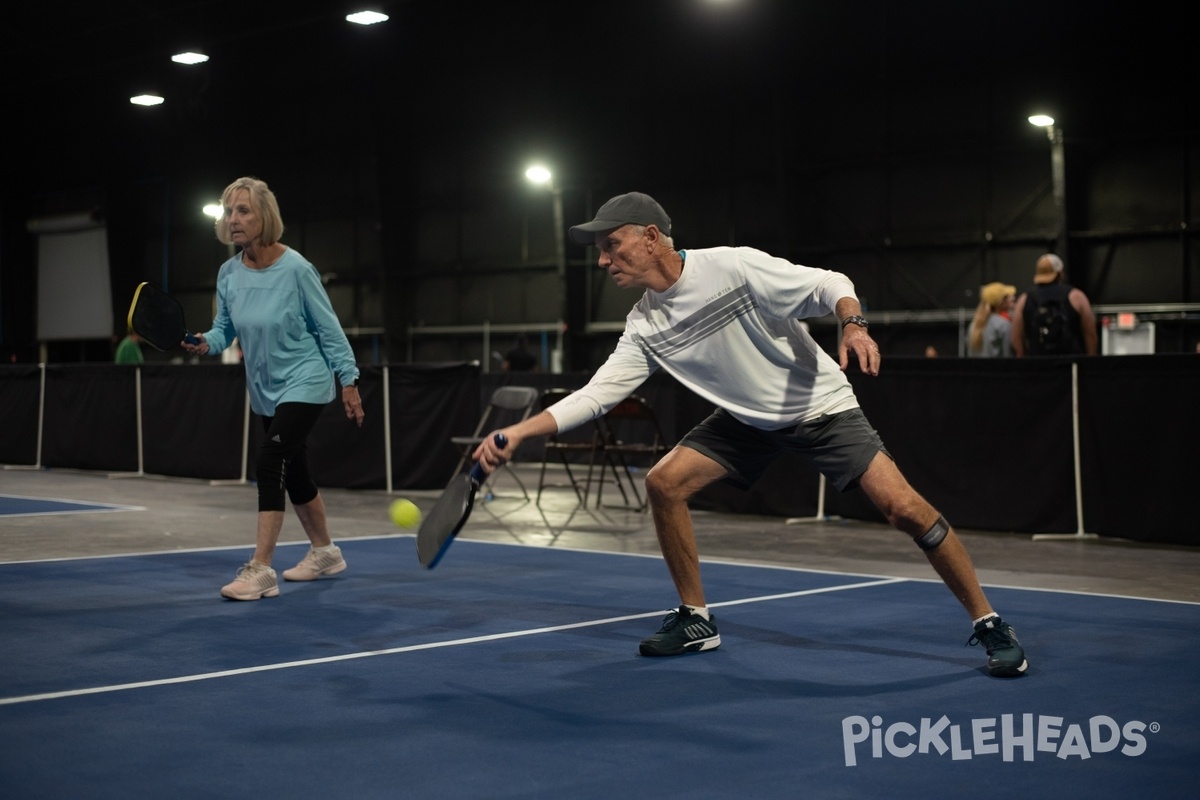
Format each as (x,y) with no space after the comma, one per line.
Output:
(270,298)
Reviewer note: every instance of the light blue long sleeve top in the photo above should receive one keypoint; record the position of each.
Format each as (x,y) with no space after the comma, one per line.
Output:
(292,343)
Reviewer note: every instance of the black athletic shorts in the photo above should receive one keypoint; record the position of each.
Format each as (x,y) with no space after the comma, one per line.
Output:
(840,445)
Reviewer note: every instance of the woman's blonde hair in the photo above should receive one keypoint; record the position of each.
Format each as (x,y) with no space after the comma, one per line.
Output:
(982,312)
(262,200)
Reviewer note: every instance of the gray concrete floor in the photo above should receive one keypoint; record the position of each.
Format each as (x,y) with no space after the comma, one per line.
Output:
(180,514)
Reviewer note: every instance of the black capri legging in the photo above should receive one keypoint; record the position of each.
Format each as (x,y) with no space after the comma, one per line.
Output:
(283,457)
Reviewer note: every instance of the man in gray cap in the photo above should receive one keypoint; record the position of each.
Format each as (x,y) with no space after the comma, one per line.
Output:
(725,323)
(1053,318)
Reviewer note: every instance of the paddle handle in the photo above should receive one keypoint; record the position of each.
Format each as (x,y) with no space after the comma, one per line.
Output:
(477,473)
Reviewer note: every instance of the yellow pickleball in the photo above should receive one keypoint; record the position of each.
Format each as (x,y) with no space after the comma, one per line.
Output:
(405,514)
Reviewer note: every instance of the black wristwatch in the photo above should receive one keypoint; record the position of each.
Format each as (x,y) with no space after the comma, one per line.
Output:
(860,321)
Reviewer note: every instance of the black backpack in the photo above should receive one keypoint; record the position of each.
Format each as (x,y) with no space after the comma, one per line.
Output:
(1049,320)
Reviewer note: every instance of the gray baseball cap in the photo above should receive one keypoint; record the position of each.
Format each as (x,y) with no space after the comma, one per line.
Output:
(634,208)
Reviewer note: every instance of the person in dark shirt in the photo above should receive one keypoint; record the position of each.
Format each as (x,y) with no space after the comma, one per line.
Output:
(1053,317)
(519,359)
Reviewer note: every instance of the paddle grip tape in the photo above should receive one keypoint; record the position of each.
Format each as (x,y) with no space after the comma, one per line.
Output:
(934,536)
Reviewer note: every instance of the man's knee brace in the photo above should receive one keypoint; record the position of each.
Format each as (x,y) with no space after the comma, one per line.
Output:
(934,536)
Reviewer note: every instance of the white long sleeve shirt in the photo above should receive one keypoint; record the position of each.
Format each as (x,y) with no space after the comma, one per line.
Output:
(729,330)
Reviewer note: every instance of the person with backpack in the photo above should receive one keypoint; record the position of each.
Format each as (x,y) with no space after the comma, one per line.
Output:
(1053,318)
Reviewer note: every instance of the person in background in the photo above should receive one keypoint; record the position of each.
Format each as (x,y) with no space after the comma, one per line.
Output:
(991,330)
(129,351)
(725,323)
(270,298)
(519,359)
(1053,317)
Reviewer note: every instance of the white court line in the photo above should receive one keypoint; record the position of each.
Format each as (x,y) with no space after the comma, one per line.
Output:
(412,648)
(704,560)
(786,595)
(187,550)
(82,507)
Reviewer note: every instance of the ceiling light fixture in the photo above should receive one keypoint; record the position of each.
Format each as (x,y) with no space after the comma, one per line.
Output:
(366,17)
(189,57)
(146,100)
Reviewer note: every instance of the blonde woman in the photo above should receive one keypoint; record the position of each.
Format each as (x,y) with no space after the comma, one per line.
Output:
(270,298)
(990,335)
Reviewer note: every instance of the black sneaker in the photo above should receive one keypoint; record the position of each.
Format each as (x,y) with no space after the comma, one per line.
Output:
(682,632)
(1006,659)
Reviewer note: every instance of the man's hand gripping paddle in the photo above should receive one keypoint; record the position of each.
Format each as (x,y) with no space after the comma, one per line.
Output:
(450,513)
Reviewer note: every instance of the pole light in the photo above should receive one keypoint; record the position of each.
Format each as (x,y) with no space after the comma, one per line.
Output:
(539,175)
(1058,174)
(542,176)
(1042,121)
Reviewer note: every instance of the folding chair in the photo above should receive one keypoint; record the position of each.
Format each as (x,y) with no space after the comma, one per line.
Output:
(631,434)
(507,406)
(570,446)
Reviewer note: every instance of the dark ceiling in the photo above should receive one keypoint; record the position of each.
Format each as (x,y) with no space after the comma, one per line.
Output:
(677,95)
(580,79)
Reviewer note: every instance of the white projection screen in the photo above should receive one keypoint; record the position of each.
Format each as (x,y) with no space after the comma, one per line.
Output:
(74,289)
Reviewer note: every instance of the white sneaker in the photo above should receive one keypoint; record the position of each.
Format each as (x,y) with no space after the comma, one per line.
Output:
(315,564)
(254,582)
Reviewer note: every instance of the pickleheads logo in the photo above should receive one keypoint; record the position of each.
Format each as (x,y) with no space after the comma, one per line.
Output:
(1010,737)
